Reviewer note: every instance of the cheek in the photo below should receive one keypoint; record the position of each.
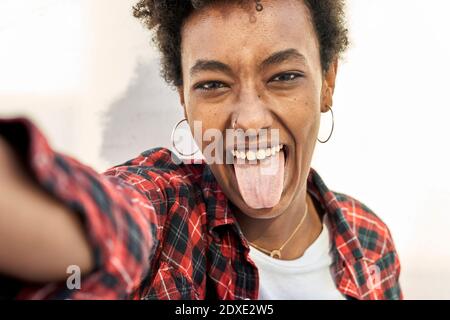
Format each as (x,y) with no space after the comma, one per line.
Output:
(302,118)
(312,124)
(205,125)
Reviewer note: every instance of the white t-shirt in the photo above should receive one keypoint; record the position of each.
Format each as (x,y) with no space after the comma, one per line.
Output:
(306,278)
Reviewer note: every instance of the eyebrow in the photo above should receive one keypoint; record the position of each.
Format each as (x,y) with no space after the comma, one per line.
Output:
(275,58)
(210,65)
(283,56)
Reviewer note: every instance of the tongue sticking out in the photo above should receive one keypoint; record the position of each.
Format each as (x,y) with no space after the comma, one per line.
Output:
(261,184)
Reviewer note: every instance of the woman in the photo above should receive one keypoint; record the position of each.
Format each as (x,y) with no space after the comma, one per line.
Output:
(156,228)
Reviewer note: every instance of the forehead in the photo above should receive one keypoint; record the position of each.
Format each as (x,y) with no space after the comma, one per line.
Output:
(227,30)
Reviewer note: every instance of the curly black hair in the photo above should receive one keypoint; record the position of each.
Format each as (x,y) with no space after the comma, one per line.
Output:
(167,16)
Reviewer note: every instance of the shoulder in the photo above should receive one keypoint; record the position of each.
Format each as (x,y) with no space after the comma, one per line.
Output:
(372,232)
(159,165)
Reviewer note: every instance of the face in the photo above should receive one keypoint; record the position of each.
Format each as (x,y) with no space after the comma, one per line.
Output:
(257,70)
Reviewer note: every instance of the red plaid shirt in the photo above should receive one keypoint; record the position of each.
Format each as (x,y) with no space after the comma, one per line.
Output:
(165,231)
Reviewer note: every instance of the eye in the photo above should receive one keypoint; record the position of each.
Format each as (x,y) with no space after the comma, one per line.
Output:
(210,85)
(287,77)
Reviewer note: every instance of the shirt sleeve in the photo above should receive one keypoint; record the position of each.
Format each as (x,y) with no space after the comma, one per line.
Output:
(117,210)
(395,291)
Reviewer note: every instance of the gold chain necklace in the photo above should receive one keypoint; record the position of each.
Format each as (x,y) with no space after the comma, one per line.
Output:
(277,252)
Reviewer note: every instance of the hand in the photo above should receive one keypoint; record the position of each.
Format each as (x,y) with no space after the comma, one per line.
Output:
(11,174)
(39,236)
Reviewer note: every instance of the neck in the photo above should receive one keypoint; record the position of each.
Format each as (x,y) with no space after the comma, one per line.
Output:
(271,234)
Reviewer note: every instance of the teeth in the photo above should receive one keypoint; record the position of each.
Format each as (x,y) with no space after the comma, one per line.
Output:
(261,154)
(251,155)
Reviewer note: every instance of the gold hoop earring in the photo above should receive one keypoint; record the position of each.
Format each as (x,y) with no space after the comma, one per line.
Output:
(332,127)
(172,138)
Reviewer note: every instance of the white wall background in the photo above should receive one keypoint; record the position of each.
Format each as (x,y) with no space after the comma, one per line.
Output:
(84,71)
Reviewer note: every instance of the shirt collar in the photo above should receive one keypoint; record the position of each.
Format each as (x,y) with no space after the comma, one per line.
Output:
(219,212)
(218,207)
(345,239)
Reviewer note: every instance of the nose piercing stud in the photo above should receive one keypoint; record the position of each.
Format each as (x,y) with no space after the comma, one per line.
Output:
(259,6)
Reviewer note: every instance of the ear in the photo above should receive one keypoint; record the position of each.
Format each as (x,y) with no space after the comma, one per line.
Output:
(328,86)
(180,90)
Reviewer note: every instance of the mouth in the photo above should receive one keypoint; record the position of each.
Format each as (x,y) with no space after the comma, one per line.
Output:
(257,189)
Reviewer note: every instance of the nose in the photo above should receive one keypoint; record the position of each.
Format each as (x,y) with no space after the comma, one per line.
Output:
(251,114)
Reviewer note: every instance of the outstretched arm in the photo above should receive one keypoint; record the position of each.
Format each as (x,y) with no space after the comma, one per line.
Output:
(39,235)
(56,212)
